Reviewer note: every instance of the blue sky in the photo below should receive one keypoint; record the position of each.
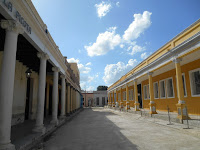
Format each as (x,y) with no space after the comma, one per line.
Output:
(108,38)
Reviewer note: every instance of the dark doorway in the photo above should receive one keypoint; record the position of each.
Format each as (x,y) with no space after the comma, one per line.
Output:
(59,102)
(50,99)
(45,102)
(139,94)
(27,98)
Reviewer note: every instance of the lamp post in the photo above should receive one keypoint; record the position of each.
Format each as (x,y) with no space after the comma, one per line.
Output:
(28,73)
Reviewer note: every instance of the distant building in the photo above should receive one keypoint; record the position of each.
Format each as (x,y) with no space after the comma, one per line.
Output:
(100,98)
(88,99)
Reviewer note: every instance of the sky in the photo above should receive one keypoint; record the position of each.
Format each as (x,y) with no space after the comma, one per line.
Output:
(109,38)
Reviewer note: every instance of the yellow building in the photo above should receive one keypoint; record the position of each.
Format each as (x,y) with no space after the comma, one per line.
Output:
(170,77)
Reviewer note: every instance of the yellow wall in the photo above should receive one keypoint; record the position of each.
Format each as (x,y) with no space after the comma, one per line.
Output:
(192,103)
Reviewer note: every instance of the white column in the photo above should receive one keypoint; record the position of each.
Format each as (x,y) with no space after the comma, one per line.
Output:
(55,96)
(39,127)
(63,96)
(7,81)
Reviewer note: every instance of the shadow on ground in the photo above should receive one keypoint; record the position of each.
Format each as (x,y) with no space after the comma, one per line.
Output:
(90,130)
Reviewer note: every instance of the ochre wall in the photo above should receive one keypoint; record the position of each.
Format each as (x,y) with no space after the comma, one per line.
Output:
(192,103)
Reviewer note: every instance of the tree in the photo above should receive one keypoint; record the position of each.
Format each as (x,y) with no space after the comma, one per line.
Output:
(102,88)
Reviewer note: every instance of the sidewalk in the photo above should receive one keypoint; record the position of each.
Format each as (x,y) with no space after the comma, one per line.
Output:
(23,138)
(162,119)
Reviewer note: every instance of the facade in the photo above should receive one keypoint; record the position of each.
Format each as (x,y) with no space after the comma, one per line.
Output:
(36,81)
(88,99)
(169,78)
(100,98)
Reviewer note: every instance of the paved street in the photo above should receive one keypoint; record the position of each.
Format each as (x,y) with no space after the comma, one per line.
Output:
(102,129)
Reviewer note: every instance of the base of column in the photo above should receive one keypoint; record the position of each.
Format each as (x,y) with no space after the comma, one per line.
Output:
(117,105)
(121,105)
(54,122)
(7,146)
(39,129)
(113,104)
(137,106)
(152,105)
(127,105)
(62,117)
(182,111)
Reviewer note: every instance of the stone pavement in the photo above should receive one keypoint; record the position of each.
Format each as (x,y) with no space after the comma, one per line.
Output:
(109,129)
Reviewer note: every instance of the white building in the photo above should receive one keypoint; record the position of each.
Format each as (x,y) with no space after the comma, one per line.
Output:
(100,98)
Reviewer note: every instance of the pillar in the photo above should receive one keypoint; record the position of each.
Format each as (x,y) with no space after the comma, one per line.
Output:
(71,98)
(13,29)
(127,98)
(136,96)
(117,104)
(152,104)
(63,96)
(121,102)
(55,96)
(68,99)
(113,102)
(39,126)
(181,107)
(47,98)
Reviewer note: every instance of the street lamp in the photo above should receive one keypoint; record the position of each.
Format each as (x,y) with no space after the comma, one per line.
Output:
(28,73)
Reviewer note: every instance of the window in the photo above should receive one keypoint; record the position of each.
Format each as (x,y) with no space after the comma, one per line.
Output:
(184,85)
(130,94)
(148,92)
(170,88)
(115,97)
(119,97)
(145,92)
(195,82)
(97,101)
(155,85)
(124,95)
(162,89)
(103,101)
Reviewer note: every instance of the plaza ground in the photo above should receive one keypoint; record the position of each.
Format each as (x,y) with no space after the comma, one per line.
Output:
(107,129)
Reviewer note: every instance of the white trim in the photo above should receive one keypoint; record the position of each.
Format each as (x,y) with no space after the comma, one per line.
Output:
(164,89)
(154,90)
(172,87)
(191,87)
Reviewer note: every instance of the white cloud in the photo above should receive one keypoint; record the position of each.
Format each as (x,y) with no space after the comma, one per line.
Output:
(138,26)
(89,64)
(144,55)
(113,72)
(103,8)
(117,4)
(121,45)
(82,68)
(136,49)
(105,42)
(73,60)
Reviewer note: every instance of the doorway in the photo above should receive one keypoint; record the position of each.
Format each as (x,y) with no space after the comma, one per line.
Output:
(28,99)
(50,99)
(139,94)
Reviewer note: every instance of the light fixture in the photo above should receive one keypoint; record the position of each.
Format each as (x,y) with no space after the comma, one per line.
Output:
(28,73)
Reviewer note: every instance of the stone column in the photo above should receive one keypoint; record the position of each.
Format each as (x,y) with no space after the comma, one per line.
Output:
(152,103)
(136,96)
(7,81)
(68,99)
(113,102)
(39,126)
(71,99)
(55,96)
(127,98)
(63,97)
(181,107)
(121,103)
